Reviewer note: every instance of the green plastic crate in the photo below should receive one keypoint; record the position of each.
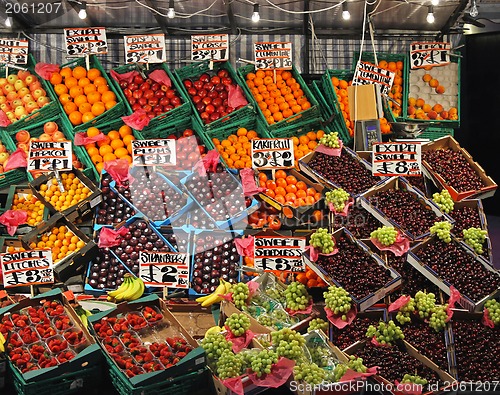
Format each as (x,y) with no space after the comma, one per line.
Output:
(15,176)
(436,133)
(87,379)
(109,115)
(171,117)
(194,70)
(325,109)
(49,111)
(310,114)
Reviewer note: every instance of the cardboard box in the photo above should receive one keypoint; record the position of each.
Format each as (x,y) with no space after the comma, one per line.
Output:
(368,300)
(77,210)
(365,102)
(443,284)
(487,190)
(73,264)
(400,183)
(194,318)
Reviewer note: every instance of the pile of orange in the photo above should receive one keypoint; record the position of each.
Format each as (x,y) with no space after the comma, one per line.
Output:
(83,94)
(419,109)
(61,241)
(396,92)
(236,148)
(306,143)
(310,279)
(117,145)
(277,99)
(29,203)
(74,191)
(286,189)
(12,249)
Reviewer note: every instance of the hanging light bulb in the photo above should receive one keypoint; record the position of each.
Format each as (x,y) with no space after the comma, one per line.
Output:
(82,13)
(8,21)
(435,2)
(171,10)
(346,15)
(430,15)
(473,10)
(255,14)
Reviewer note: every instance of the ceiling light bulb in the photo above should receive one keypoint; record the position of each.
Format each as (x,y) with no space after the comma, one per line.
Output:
(82,12)
(430,15)
(171,10)
(435,2)
(473,10)
(346,15)
(255,15)
(8,21)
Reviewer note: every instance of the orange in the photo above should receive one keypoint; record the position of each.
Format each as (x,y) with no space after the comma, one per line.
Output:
(106,141)
(127,139)
(114,135)
(79,72)
(60,89)
(75,118)
(125,130)
(96,159)
(128,158)
(108,96)
(83,82)
(281,182)
(291,188)
(105,149)
(93,97)
(75,91)
(64,98)
(426,78)
(89,88)
(92,74)
(88,116)
(260,74)
(66,72)
(250,76)
(110,104)
(280,174)
(280,190)
(278,116)
(270,184)
(69,107)
(56,78)
(85,107)
(79,100)
(98,108)
(109,157)
(100,81)
(93,151)
(117,144)
(92,132)
(120,152)
(70,82)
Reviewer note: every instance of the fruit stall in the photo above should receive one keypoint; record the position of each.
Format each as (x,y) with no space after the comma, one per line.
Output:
(226,226)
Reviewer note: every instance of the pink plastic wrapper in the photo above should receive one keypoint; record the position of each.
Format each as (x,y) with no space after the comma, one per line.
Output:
(399,248)
(314,253)
(208,163)
(337,319)
(253,286)
(375,342)
(353,375)
(345,211)
(398,303)
(45,70)
(119,170)
(128,77)
(486,319)
(161,77)
(4,119)
(228,296)
(245,246)
(137,120)
(16,160)
(110,237)
(409,388)
(454,297)
(11,219)
(239,342)
(235,97)
(329,151)
(83,139)
(280,372)
(248,182)
(235,385)
(307,311)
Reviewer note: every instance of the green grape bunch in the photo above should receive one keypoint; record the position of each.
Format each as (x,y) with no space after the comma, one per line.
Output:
(262,362)
(444,201)
(338,197)
(309,373)
(354,363)
(442,230)
(338,301)
(323,241)
(276,294)
(238,324)
(230,365)
(386,235)
(297,297)
(320,355)
(214,345)
(317,323)
(240,294)
(408,378)
(405,312)
(330,140)
(493,307)
(385,333)
(288,343)
(437,320)
(425,304)
(475,237)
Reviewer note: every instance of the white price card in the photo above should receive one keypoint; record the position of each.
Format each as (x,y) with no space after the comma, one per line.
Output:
(13,51)
(279,253)
(145,48)
(425,54)
(160,152)
(48,155)
(272,153)
(214,47)
(367,73)
(273,55)
(396,159)
(27,268)
(164,269)
(85,41)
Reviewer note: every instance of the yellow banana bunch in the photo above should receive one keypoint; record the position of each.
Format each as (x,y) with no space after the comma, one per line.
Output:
(2,343)
(208,300)
(132,288)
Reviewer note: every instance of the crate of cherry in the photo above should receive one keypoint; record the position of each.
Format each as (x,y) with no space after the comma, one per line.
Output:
(145,343)
(220,195)
(46,338)
(396,203)
(451,167)
(155,91)
(69,192)
(362,273)
(347,171)
(451,263)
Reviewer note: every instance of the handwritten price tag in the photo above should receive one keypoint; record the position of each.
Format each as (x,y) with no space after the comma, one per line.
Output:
(44,155)
(164,269)
(397,159)
(146,48)
(273,55)
(85,41)
(27,268)
(154,152)
(279,253)
(13,51)
(213,47)
(367,73)
(429,54)
(272,154)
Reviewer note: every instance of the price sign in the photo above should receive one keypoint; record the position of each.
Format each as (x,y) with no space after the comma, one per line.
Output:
(164,269)
(13,51)
(396,159)
(27,268)
(367,73)
(153,152)
(213,47)
(272,154)
(429,54)
(44,155)
(273,55)
(86,41)
(145,48)
(279,253)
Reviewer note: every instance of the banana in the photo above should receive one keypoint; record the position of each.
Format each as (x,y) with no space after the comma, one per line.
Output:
(139,289)
(214,296)
(203,298)
(85,320)
(122,288)
(227,285)
(2,342)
